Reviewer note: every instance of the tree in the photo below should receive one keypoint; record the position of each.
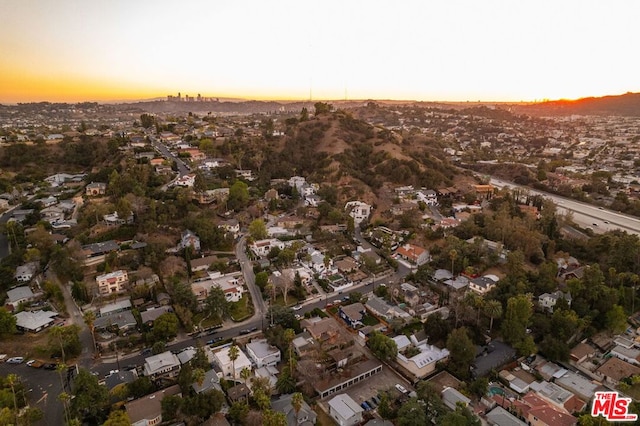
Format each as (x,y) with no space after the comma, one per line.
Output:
(66,339)
(262,279)
(453,255)
(216,303)
(245,374)
(238,196)
(492,309)
(170,405)
(296,402)
(412,413)
(616,320)
(91,400)
(140,387)
(234,353)
(89,319)
(165,327)
(382,346)
(517,316)
(460,417)
(322,108)
(7,322)
(461,352)
(273,418)
(436,328)
(12,380)
(258,229)
(479,386)
(118,418)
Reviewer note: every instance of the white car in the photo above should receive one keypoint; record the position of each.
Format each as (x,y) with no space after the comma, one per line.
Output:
(30,362)
(297,308)
(15,360)
(401,389)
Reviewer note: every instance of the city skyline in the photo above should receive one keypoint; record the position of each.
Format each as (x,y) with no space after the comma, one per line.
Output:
(463,50)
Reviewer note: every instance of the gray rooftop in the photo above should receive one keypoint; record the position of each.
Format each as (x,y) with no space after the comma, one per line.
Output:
(345,406)
(19,293)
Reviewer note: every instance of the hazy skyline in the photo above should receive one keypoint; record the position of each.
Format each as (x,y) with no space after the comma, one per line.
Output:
(72,50)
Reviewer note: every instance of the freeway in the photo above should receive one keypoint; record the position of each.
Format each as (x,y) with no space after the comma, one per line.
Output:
(599,219)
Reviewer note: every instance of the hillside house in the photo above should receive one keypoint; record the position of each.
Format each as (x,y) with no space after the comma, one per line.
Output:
(189,239)
(95,189)
(18,295)
(113,282)
(413,254)
(358,210)
(548,300)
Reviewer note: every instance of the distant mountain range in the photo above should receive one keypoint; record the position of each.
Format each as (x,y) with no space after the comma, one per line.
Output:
(621,105)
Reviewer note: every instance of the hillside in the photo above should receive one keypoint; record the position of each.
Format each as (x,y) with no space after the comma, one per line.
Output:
(358,158)
(621,105)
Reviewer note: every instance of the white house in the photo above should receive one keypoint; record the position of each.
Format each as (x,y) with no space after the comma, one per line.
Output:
(548,300)
(263,247)
(165,364)
(113,282)
(230,285)
(358,210)
(262,353)
(413,254)
(34,321)
(221,358)
(231,226)
(19,295)
(185,181)
(423,363)
(24,273)
(344,410)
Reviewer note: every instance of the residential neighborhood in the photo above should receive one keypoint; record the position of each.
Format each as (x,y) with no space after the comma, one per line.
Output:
(171,268)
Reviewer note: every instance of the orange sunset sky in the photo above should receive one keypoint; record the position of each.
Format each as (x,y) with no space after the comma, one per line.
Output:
(511,50)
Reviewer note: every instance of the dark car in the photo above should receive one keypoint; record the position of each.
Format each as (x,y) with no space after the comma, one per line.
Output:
(50,366)
(214,340)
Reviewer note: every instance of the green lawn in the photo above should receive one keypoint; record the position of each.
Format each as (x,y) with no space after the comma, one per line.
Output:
(370,320)
(207,323)
(241,310)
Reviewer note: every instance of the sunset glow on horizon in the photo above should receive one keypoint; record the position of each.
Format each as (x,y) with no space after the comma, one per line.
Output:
(460,50)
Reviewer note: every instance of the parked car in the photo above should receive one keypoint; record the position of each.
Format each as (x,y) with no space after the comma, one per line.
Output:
(297,307)
(50,366)
(15,360)
(34,363)
(401,388)
(365,406)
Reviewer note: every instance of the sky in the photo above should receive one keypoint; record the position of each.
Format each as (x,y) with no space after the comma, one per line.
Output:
(445,50)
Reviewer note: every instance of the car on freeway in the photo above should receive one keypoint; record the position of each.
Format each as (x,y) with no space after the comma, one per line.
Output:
(15,360)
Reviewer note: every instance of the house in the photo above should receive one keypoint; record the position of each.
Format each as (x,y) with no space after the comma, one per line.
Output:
(346,265)
(24,273)
(119,377)
(238,393)
(18,295)
(165,364)
(152,314)
(211,381)
(47,201)
(631,355)
(113,219)
(358,210)
(305,416)
(615,369)
(115,307)
(34,321)
(95,189)
(413,254)
(262,353)
(222,359)
(557,396)
(189,239)
(482,285)
(147,411)
(581,352)
(113,282)
(202,263)
(381,309)
(501,417)
(121,321)
(352,314)
(344,410)
(452,398)
(185,181)
(262,248)
(230,285)
(231,226)
(582,387)
(424,362)
(548,300)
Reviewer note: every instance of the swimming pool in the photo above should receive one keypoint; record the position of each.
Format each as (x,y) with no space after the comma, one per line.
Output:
(495,390)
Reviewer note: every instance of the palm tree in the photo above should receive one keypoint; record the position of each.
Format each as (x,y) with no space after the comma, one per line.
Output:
(64,398)
(245,374)
(493,309)
(289,335)
(13,379)
(296,402)
(89,319)
(234,353)
(453,254)
(57,332)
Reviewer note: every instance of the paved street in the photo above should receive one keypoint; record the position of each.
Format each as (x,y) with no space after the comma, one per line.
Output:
(586,215)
